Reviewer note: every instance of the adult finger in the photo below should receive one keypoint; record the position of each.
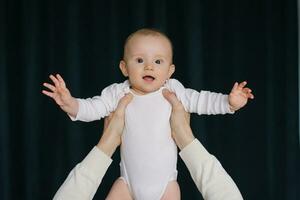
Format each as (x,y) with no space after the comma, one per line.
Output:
(171,98)
(124,101)
(107,120)
(176,104)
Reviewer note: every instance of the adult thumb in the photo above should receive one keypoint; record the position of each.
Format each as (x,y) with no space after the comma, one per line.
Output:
(171,97)
(124,101)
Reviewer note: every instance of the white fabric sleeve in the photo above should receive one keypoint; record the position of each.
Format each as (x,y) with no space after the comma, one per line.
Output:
(208,174)
(203,102)
(98,107)
(84,180)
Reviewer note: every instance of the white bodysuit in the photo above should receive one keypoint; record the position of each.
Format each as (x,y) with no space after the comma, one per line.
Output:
(148,152)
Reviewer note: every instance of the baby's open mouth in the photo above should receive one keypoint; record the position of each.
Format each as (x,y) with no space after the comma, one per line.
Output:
(148,78)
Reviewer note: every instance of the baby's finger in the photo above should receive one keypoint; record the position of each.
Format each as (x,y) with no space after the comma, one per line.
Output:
(235,86)
(250,95)
(242,85)
(55,81)
(61,80)
(50,87)
(49,94)
(247,90)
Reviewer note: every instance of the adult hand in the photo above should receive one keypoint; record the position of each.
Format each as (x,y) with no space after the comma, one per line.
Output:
(113,127)
(180,121)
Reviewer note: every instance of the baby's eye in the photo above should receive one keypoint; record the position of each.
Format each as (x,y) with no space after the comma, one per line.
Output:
(158,61)
(139,60)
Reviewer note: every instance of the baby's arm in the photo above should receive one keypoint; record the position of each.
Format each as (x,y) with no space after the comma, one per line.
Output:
(203,102)
(89,109)
(98,107)
(61,95)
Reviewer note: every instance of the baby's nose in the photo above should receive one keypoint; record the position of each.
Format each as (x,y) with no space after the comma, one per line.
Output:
(148,67)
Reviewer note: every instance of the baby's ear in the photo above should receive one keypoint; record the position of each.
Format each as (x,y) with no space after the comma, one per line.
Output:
(171,70)
(123,68)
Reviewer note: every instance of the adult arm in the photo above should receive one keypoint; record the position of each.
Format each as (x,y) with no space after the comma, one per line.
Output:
(84,180)
(208,174)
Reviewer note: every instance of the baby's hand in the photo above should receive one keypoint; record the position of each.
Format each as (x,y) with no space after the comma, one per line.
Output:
(239,96)
(61,95)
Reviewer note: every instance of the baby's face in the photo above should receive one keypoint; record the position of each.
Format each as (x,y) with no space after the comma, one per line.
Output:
(147,62)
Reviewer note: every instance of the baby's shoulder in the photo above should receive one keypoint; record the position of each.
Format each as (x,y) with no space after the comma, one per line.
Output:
(116,87)
(116,90)
(174,85)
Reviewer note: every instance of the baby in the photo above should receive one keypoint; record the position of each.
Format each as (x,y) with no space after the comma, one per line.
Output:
(148,152)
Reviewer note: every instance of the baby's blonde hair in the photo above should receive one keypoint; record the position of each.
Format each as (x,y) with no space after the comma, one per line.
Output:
(147,32)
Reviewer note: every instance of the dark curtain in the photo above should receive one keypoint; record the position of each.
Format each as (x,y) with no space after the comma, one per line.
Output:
(215,44)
